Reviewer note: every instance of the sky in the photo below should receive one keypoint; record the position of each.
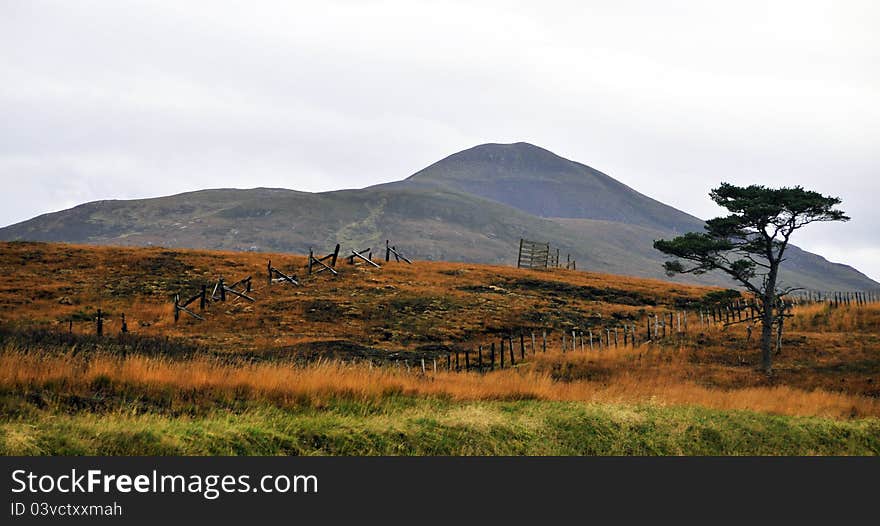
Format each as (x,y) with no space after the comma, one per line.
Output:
(128,99)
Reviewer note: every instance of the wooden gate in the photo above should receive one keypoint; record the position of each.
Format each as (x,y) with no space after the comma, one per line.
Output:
(533,254)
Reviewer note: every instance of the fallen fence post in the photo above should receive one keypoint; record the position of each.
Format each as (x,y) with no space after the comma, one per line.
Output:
(281,276)
(320,262)
(178,308)
(390,249)
(361,256)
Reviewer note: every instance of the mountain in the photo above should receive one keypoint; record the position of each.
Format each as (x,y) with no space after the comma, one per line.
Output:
(472,206)
(537,181)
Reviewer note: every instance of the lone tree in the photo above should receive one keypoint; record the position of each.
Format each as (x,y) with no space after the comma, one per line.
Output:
(749,244)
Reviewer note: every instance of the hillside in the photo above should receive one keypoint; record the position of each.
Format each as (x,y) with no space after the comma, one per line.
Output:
(469,207)
(421,308)
(333,366)
(398,307)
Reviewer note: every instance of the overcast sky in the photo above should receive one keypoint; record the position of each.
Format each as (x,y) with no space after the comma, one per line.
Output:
(127,99)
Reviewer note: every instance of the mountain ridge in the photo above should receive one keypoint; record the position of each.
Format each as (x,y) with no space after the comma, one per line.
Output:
(471,206)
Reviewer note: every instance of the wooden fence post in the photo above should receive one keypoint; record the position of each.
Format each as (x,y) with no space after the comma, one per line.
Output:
(99,321)
(544,340)
(522,346)
(492,357)
(510,348)
(502,353)
(519,254)
(335,255)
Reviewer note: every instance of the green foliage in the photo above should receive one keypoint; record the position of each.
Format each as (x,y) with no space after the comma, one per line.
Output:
(721,297)
(751,240)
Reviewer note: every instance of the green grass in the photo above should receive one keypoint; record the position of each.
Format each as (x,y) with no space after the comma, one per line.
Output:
(419,426)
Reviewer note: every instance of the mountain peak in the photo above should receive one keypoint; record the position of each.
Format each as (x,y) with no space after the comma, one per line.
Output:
(542,183)
(509,153)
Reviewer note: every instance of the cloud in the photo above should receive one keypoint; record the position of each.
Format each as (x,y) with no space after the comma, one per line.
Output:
(133,98)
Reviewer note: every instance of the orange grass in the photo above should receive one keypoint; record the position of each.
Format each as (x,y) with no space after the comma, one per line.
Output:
(287,384)
(823,318)
(46,284)
(829,364)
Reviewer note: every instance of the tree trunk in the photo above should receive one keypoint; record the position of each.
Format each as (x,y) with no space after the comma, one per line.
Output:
(767,318)
(779,324)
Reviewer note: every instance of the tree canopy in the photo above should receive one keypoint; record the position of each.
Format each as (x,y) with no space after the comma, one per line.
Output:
(753,238)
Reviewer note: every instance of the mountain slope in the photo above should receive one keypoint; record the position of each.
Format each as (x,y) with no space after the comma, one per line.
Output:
(542,183)
(431,215)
